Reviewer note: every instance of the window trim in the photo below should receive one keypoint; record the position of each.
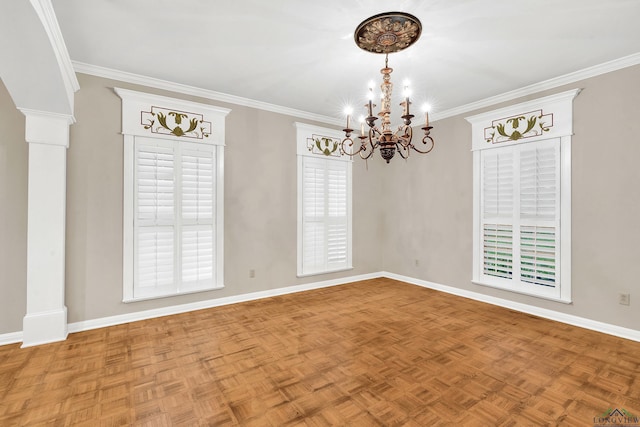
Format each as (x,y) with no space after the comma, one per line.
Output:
(134,106)
(305,148)
(559,108)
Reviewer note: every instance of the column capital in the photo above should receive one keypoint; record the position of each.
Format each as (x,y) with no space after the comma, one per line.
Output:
(42,127)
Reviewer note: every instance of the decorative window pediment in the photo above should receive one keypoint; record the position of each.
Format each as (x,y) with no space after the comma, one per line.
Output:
(145,114)
(543,118)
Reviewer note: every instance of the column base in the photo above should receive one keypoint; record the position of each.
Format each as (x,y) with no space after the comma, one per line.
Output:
(44,327)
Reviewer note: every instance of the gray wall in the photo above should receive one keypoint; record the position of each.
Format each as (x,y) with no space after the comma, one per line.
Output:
(13,215)
(430,219)
(420,209)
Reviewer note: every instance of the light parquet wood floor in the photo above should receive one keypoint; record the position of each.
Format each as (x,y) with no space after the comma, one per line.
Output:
(371,353)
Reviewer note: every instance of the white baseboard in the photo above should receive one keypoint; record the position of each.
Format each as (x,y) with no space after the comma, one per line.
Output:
(44,327)
(200,305)
(594,325)
(11,338)
(619,331)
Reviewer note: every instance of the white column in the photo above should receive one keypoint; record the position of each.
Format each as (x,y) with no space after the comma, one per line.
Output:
(48,138)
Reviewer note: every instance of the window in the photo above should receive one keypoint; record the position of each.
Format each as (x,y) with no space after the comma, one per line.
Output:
(522,198)
(173,183)
(324,202)
(520,216)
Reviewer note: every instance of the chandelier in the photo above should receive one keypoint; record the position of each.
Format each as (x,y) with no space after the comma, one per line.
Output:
(387,33)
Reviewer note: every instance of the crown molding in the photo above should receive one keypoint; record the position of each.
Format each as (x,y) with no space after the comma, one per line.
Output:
(596,70)
(138,79)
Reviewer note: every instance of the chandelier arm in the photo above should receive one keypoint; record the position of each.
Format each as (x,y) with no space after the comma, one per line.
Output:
(368,156)
(348,153)
(401,148)
(424,141)
(405,139)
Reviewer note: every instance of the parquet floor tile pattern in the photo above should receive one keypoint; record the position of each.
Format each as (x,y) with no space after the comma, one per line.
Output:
(370,353)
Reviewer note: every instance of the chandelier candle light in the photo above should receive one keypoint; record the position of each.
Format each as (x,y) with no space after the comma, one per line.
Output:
(387,33)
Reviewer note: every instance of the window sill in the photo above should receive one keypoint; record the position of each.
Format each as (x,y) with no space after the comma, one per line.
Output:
(318,273)
(177,294)
(515,291)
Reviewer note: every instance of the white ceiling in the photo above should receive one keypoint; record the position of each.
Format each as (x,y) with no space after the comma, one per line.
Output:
(301,54)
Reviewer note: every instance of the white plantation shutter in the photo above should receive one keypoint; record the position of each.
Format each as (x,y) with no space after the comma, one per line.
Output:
(497,210)
(198,214)
(337,224)
(155,228)
(155,260)
(313,215)
(520,216)
(175,217)
(155,183)
(325,214)
(539,213)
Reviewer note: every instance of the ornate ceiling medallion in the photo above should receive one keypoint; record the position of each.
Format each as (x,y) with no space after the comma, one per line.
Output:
(388,32)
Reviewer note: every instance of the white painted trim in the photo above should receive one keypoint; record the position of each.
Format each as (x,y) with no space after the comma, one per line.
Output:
(594,325)
(200,305)
(44,10)
(565,218)
(138,79)
(44,327)
(619,331)
(576,76)
(127,218)
(476,250)
(219,224)
(42,127)
(10,338)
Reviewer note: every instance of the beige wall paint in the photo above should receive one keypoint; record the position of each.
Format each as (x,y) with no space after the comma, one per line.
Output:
(13,215)
(260,205)
(428,210)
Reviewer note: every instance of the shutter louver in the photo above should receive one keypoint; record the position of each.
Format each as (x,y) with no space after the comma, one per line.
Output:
(313,213)
(155,258)
(198,190)
(197,256)
(497,201)
(539,201)
(154,255)
(198,207)
(155,184)
(497,184)
(498,250)
(337,233)
(538,183)
(538,255)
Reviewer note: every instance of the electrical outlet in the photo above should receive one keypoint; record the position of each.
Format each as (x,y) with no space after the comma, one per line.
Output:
(252,273)
(624,299)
